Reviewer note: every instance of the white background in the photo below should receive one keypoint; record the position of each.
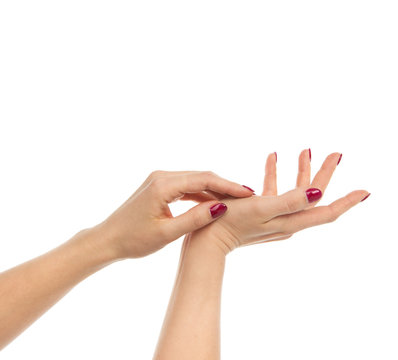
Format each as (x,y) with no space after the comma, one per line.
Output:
(96,94)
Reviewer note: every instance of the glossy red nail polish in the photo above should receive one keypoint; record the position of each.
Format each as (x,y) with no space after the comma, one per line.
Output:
(217,210)
(309,153)
(246,187)
(365,197)
(276,157)
(338,162)
(313,194)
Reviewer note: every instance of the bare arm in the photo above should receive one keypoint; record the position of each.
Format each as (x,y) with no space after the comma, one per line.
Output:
(30,289)
(191,328)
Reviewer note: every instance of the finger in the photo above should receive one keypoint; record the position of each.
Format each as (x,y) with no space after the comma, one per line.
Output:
(213,195)
(323,176)
(270,183)
(195,218)
(176,186)
(156,174)
(287,203)
(304,169)
(220,196)
(162,174)
(199,197)
(316,216)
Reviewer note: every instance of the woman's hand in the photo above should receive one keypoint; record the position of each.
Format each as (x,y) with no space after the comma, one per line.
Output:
(191,329)
(271,217)
(143,223)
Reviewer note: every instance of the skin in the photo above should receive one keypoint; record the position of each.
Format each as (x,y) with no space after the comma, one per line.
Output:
(142,225)
(191,328)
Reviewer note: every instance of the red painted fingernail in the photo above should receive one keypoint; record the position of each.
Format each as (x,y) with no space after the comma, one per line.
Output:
(313,194)
(217,210)
(276,157)
(365,197)
(309,153)
(338,162)
(246,187)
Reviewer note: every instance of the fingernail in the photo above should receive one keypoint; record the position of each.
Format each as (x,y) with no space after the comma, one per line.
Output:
(276,157)
(365,197)
(217,210)
(313,194)
(309,153)
(338,162)
(246,187)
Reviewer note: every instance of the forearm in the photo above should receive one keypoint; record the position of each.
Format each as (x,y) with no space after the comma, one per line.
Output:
(191,329)
(30,289)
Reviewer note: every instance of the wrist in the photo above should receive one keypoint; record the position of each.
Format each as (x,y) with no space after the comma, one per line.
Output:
(210,241)
(201,261)
(214,239)
(96,246)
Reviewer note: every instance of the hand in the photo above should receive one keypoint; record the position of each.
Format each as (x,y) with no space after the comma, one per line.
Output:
(144,224)
(271,217)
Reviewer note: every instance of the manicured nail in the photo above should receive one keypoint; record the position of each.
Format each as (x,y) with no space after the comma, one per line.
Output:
(313,194)
(338,162)
(365,197)
(276,157)
(246,187)
(217,210)
(309,153)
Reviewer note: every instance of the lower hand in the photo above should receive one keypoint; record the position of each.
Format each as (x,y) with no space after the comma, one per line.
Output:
(271,217)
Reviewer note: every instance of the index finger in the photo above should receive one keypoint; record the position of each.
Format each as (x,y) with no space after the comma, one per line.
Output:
(179,185)
(292,223)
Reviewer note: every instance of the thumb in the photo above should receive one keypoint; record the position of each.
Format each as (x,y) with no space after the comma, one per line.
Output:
(196,217)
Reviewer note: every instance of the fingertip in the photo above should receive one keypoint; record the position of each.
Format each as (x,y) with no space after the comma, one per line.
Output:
(217,210)
(338,161)
(358,196)
(271,155)
(248,188)
(270,163)
(313,194)
(305,154)
(365,197)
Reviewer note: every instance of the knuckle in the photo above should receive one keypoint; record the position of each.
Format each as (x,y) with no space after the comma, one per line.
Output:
(155,174)
(291,205)
(207,178)
(258,206)
(209,173)
(157,184)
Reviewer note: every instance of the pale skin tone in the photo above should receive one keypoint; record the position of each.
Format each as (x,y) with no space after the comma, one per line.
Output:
(191,328)
(142,225)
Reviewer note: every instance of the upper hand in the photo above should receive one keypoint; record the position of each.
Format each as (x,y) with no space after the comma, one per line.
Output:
(144,223)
